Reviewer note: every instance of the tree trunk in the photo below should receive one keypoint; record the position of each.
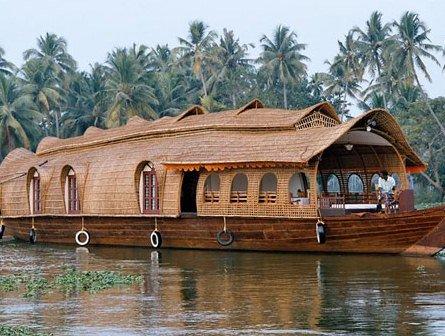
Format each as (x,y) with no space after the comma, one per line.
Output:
(285,94)
(345,103)
(204,87)
(433,183)
(8,139)
(233,100)
(382,90)
(56,114)
(433,114)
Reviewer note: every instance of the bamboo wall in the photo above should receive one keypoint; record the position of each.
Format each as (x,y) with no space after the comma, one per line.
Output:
(252,208)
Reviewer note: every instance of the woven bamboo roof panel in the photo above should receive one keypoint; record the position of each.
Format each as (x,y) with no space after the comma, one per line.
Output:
(257,135)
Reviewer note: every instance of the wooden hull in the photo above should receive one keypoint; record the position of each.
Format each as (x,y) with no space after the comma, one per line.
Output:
(417,232)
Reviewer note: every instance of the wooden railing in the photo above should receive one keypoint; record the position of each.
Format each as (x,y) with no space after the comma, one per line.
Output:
(238,197)
(361,198)
(326,202)
(211,196)
(267,197)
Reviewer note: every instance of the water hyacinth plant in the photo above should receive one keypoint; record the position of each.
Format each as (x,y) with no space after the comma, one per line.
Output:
(71,281)
(19,331)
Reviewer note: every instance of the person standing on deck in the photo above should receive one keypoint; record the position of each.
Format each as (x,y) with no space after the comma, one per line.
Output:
(386,187)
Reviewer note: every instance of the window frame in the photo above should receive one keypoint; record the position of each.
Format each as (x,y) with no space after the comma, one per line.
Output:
(361,180)
(339,184)
(36,194)
(150,191)
(237,196)
(73,200)
(266,196)
(212,195)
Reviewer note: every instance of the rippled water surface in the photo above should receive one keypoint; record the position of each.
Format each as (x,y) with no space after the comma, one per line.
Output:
(231,293)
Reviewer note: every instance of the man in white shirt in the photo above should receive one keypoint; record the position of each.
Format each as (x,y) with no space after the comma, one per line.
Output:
(386,186)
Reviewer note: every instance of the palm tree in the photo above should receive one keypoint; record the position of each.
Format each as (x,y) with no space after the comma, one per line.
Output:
(126,84)
(372,101)
(282,59)
(161,59)
(40,84)
(18,117)
(195,50)
(87,103)
(230,64)
(5,67)
(340,81)
(171,87)
(52,51)
(372,43)
(411,48)
(349,62)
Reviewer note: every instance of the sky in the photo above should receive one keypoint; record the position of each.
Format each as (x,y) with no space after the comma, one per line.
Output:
(94,27)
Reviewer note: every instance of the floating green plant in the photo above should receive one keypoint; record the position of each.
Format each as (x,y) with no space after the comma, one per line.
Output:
(19,331)
(69,282)
(9,283)
(72,280)
(36,286)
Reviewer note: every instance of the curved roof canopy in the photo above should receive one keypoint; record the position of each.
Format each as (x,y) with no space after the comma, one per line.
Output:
(252,135)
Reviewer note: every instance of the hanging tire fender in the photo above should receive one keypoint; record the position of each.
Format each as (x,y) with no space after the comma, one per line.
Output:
(156,239)
(2,231)
(82,238)
(225,237)
(320,230)
(32,236)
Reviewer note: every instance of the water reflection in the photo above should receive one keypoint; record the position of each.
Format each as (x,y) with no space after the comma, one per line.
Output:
(219,293)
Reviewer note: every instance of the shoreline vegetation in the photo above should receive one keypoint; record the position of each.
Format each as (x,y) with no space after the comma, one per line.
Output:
(378,65)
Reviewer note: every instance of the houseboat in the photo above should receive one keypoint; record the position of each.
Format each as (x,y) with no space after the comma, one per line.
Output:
(254,178)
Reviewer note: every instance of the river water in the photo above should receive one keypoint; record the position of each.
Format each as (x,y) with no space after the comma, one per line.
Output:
(188,292)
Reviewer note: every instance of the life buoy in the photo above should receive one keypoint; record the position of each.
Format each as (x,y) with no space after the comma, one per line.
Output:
(32,236)
(2,231)
(225,237)
(85,240)
(320,229)
(156,239)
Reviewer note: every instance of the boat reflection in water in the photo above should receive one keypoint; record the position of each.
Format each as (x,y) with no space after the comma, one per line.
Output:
(230,293)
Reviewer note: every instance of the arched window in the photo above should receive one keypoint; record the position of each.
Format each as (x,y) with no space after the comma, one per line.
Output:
(34,194)
(298,189)
(268,189)
(355,184)
(211,188)
(71,192)
(333,184)
(238,190)
(374,181)
(148,190)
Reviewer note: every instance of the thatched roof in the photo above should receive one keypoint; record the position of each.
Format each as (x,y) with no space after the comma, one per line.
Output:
(251,135)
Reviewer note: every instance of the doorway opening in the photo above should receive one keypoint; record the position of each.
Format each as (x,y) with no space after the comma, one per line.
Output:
(188,191)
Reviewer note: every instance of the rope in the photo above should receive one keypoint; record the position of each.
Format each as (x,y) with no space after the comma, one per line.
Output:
(225,224)
(32,223)
(83,224)
(156,224)
(13,178)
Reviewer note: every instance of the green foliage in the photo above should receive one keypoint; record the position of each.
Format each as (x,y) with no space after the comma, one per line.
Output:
(379,64)
(71,281)
(36,286)
(74,281)
(10,283)
(19,331)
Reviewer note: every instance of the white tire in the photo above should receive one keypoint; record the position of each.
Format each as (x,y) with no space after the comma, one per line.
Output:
(82,238)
